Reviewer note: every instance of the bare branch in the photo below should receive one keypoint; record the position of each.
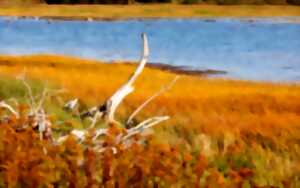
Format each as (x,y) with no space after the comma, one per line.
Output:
(81,134)
(108,109)
(42,100)
(95,118)
(145,125)
(163,89)
(70,105)
(14,100)
(9,108)
(29,90)
(127,88)
(100,132)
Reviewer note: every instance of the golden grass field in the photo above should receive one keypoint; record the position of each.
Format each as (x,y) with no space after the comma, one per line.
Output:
(211,105)
(249,128)
(148,11)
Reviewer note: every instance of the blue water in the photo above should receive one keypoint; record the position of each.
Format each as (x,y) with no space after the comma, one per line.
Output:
(263,49)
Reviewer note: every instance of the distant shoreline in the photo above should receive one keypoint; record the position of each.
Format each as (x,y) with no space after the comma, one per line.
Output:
(285,19)
(180,69)
(8,60)
(153,11)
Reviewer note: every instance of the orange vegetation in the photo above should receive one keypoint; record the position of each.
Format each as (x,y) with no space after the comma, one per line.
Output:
(27,161)
(222,133)
(209,105)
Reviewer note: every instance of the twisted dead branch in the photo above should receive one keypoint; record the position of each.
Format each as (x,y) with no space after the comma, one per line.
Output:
(144,125)
(162,90)
(29,91)
(36,112)
(71,105)
(9,108)
(107,110)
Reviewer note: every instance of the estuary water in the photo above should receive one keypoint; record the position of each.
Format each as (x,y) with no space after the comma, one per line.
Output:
(250,48)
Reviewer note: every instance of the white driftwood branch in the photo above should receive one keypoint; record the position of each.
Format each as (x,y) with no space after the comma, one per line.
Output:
(81,134)
(100,132)
(95,118)
(107,110)
(37,112)
(42,100)
(30,94)
(9,108)
(43,124)
(144,125)
(127,88)
(163,89)
(14,101)
(70,105)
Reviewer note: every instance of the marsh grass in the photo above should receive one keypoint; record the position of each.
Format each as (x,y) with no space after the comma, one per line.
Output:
(148,11)
(248,132)
(11,87)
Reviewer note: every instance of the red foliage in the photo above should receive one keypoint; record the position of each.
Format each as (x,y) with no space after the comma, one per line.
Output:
(27,161)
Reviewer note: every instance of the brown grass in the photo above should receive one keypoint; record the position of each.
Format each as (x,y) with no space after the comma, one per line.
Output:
(148,11)
(208,105)
(240,132)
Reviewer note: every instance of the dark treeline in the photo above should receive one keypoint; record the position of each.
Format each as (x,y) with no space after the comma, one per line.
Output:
(221,2)
(87,1)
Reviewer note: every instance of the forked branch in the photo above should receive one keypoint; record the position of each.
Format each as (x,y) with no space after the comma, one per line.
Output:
(127,88)
(107,110)
(9,108)
(163,89)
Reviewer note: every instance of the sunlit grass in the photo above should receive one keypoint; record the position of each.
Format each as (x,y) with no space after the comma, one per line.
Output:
(236,124)
(197,102)
(148,11)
